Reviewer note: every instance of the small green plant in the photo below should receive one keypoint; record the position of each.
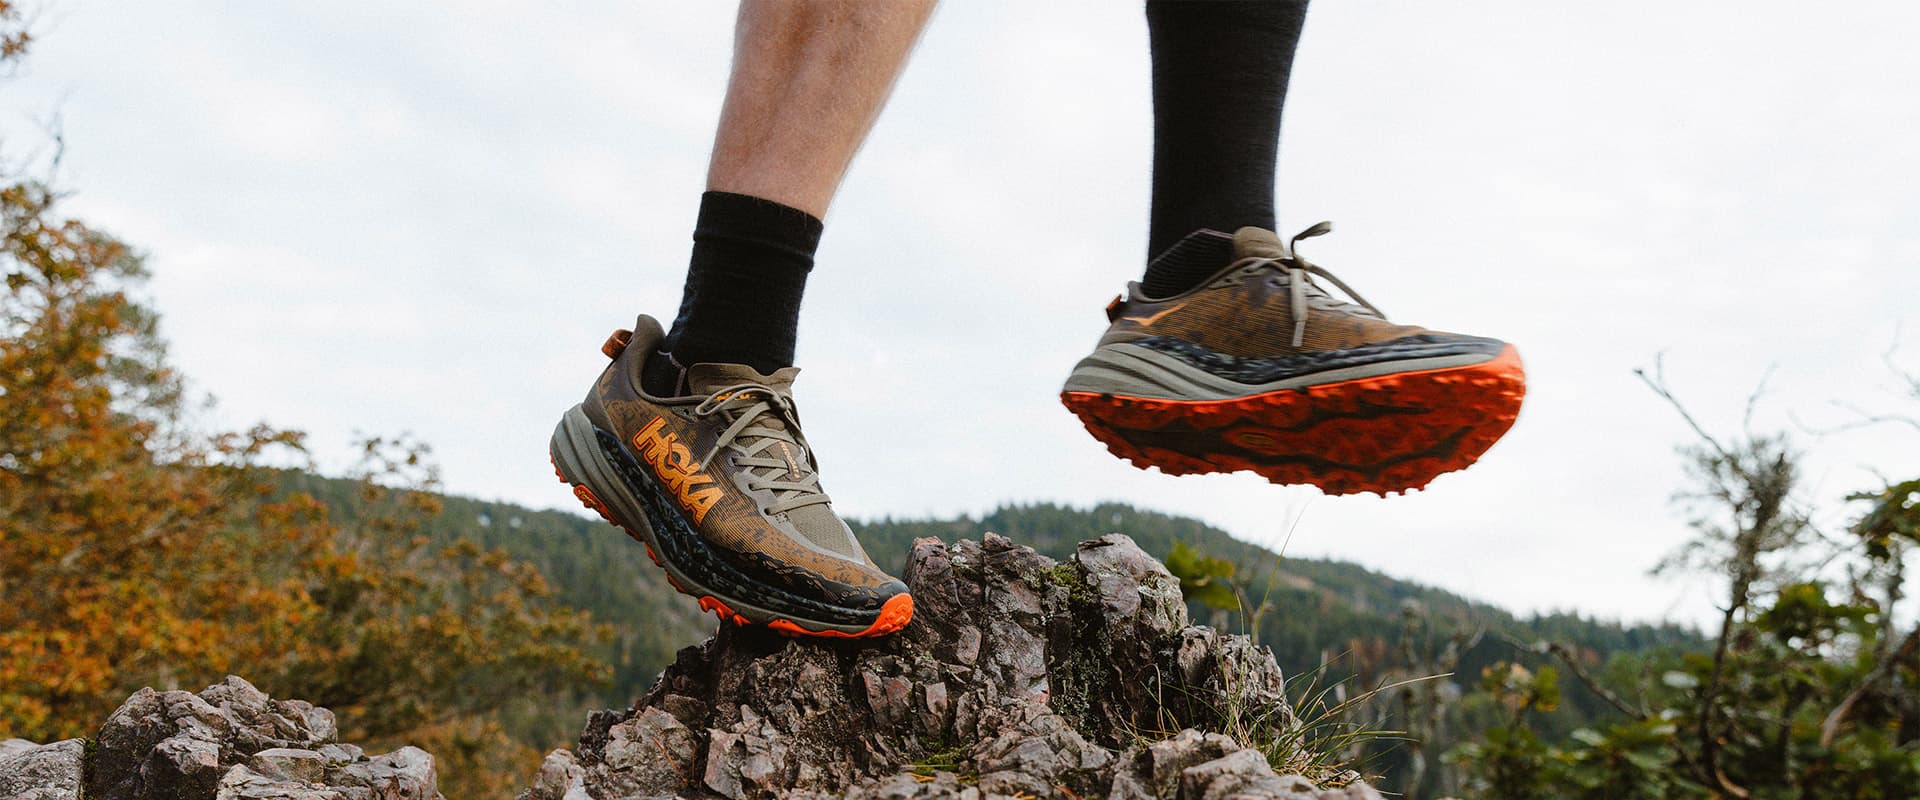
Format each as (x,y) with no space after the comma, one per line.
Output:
(1212,582)
(1323,732)
(1808,688)
(1334,735)
(943,757)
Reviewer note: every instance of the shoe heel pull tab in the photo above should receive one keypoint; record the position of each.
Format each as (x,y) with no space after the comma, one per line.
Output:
(1113,309)
(617,343)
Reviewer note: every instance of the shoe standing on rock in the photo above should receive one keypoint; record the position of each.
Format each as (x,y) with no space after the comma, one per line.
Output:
(690,440)
(1019,677)
(722,488)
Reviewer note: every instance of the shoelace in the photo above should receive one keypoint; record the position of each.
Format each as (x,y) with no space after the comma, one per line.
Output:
(1300,274)
(750,438)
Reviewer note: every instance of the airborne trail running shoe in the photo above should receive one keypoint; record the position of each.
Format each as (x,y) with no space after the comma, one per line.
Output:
(1258,368)
(721,487)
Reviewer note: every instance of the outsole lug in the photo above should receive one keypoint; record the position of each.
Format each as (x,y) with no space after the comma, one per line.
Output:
(1386,434)
(895,614)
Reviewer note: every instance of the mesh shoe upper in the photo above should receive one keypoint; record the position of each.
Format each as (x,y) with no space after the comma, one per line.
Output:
(1264,303)
(731,456)
(1262,368)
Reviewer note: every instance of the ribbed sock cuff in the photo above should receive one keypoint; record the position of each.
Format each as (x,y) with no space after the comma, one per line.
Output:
(741,304)
(1189,261)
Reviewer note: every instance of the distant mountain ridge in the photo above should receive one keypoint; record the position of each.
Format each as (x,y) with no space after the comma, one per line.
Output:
(1329,622)
(1350,605)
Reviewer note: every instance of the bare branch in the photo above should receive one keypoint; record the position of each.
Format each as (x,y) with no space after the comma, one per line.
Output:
(1868,418)
(1831,727)
(1658,383)
(1759,389)
(1566,656)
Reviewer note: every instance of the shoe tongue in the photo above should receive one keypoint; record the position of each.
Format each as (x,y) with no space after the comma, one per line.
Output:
(705,379)
(1251,242)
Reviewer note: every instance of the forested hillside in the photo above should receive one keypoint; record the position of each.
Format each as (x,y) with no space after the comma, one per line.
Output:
(1367,629)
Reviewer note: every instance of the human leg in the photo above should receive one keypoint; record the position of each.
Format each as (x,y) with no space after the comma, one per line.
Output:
(809,78)
(689,440)
(1229,355)
(1220,74)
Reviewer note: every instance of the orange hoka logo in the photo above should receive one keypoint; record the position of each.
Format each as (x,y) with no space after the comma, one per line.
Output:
(674,464)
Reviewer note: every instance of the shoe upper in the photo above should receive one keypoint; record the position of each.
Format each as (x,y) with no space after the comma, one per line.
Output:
(731,456)
(1263,303)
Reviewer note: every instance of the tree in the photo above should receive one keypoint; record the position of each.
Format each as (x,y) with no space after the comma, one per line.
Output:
(1809,690)
(137,550)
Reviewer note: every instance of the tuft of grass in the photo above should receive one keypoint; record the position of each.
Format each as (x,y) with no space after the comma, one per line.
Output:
(1331,740)
(1319,732)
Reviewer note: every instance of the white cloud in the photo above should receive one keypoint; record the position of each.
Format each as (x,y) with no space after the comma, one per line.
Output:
(424,216)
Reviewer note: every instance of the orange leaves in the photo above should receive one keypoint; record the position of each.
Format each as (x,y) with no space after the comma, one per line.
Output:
(135,551)
(13,32)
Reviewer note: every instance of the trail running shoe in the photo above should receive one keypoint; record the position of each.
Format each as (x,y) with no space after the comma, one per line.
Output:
(1259,369)
(721,487)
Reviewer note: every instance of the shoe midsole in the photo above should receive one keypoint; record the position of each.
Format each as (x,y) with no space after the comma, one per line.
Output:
(592,457)
(1130,369)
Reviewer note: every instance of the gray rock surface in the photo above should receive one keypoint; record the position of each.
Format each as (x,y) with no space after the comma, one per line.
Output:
(286,763)
(42,772)
(404,774)
(1018,677)
(233,742)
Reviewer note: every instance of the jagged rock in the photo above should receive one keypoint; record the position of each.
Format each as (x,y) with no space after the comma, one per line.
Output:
(233,742)
(339,755)
(1242,773)
(404,774)
(649,754)
(1352,791)
(1018,676)
(30,771)
(242,783)
(560,778)
(288,763)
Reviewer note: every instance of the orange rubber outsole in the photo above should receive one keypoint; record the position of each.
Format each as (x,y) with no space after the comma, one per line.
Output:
(1385,434)
(894,614)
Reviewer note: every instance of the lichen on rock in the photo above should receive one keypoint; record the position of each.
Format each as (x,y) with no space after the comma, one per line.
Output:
(1019,676)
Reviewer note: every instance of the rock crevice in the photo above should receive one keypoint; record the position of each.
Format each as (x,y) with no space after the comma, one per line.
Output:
(1019,677)
(228,742)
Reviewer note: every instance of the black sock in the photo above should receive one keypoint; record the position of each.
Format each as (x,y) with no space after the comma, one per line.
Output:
(1220,72)
(741,304)
(1200,254)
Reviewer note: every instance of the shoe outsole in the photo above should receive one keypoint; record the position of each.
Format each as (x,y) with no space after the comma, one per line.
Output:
(1383,434)
(894,614)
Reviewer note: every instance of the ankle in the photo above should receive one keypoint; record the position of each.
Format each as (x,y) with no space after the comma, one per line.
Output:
(1191,260)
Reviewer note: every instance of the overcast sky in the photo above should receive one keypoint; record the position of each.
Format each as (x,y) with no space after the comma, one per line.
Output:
(424,216)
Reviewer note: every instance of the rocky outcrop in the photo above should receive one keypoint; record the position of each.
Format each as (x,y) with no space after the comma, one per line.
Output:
(229,742)
(1019,677)
(30,771)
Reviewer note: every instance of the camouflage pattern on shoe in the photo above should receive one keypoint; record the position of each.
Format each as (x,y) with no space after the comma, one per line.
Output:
(722,488)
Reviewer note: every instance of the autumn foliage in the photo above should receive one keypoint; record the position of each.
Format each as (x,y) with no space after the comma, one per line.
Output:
(137,550)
